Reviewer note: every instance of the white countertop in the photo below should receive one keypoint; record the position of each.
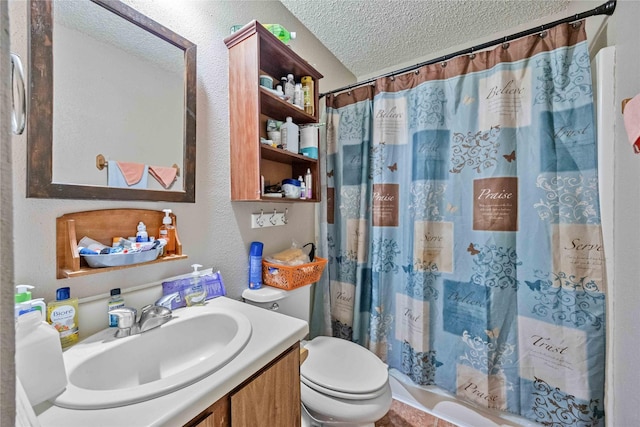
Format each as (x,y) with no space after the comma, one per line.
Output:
(272,333)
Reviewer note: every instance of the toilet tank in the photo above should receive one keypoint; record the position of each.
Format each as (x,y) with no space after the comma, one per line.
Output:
(295,303)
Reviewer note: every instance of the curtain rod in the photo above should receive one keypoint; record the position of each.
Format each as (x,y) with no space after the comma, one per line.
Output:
(604,9)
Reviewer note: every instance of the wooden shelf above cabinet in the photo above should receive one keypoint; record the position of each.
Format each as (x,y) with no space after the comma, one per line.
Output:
(273,106)
(103,226)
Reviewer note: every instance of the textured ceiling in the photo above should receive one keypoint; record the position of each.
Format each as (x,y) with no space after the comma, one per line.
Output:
(372,35)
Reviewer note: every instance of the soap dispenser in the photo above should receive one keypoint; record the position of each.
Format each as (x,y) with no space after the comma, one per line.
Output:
(195,294)
(168,232)
(24,303)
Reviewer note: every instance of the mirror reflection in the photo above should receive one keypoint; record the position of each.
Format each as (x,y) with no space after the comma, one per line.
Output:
(120,87)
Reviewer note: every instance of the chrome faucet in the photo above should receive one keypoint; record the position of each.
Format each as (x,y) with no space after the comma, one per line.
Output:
(151,316)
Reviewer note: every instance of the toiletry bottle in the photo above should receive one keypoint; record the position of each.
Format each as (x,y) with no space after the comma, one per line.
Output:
(168,232)
(142,235)
(195,294)
(280,32)
(289,134)
(298,99)
(303,188)
(255,265)
(289,87)
(39,362)
(24,303)
(307,94)
(307,183)
(63,315)
(116,301)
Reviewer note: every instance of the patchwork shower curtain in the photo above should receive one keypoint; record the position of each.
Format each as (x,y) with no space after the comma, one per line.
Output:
(463,227)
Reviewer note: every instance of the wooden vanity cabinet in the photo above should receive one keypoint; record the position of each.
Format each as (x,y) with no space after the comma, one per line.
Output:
(271,397)
(254,51)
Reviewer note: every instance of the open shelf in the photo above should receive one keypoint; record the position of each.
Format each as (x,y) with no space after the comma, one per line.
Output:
(103,226)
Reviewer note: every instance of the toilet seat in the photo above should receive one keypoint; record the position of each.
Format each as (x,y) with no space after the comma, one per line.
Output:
(342,369)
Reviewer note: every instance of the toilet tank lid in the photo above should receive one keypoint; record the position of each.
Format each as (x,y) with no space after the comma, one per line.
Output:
(264,294)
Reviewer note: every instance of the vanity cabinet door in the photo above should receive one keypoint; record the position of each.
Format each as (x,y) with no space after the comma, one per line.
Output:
(216,415)
(273,397)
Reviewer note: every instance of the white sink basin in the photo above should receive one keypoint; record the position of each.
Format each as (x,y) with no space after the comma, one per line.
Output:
(106,372)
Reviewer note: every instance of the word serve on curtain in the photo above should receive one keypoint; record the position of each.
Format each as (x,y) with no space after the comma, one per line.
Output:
(463,227)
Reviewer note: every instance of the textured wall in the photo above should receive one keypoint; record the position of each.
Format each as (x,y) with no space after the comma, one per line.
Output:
(7,373)
(214,231)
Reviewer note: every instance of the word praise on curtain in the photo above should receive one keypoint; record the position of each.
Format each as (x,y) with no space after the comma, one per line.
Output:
(463,227)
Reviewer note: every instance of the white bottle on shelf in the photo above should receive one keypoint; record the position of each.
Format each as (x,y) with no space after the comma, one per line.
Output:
(298,99)
(289,136)
(303,190)
(289,88)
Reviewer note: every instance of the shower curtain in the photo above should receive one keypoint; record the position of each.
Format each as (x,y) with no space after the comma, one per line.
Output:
(463,228)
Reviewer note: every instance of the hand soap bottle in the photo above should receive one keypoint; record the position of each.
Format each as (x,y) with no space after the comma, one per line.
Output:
(63,315)
(195,294)
(168,232)
(24,303)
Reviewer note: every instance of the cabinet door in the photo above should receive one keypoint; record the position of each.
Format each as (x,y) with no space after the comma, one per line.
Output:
(272,398)
(216,415)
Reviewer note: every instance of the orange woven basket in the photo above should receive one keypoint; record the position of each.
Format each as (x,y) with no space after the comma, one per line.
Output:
(283,277)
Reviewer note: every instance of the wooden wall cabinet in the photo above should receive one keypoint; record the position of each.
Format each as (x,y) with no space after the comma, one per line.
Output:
(102,226)
(269,398)
(254,51)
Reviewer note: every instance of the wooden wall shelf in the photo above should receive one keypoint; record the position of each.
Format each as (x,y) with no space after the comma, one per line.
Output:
(102,226)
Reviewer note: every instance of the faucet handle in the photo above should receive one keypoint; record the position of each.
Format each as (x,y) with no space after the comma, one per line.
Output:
(166,300)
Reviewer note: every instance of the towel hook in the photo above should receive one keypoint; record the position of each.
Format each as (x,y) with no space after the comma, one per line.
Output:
(273,220)
(260,220)
(284,217)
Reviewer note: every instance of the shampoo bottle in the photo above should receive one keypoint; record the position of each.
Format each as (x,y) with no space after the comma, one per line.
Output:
(255,265)
(195,294)
(62,314)
(168,232)
(116,301)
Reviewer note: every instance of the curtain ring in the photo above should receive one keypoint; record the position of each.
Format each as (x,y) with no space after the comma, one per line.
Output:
(443,64)
(349,93)
(417,72)
(392,78)
(576,24)
(472,55)
(505,45)
(543,34)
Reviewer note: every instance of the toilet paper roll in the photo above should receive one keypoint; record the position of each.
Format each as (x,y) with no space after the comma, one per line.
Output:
(308,137)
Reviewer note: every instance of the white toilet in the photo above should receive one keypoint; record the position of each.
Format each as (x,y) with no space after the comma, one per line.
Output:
(342,384)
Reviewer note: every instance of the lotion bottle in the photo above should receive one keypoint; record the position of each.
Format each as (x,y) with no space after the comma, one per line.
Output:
(167,231)
(308,183)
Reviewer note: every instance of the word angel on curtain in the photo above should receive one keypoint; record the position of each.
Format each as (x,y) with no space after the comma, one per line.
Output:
(463,227)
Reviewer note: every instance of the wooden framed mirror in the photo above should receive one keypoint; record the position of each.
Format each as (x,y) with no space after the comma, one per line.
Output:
(77,113)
